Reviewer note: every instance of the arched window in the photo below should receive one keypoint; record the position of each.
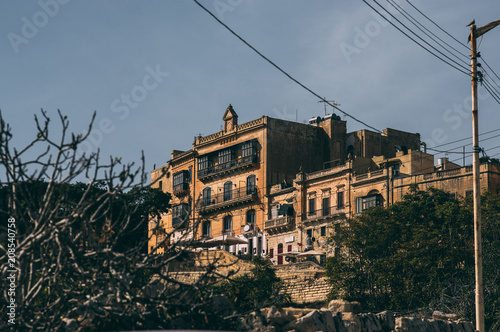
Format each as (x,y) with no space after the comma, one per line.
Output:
(228,225)
(228,191)
(251,185)
(207,196)
(206,229)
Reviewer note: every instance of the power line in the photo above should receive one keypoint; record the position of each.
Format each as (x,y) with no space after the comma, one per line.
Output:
(461,43)
(420,26)
(284,72)
(463,139)
(484,61)
(491,91)
(419,44)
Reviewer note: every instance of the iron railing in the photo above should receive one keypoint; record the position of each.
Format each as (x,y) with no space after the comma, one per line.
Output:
(232,164)
(228,197)
(280,221)
(324,212)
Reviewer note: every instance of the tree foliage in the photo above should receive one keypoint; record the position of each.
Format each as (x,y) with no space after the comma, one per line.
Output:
(80,247)
(258,289)
(418,253)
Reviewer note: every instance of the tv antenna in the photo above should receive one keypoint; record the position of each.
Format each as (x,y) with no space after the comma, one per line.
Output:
(332,102)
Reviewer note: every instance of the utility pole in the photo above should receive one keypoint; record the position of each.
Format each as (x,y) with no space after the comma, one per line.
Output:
(478,256)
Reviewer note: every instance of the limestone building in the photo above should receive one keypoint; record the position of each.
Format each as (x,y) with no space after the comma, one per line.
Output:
(242,181)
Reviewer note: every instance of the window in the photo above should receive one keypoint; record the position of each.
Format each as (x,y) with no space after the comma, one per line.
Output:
(251,217)
(160,185)
(323,231)
(225,156)
(289,247)
(180,213)
(271,253)
(326,206)
(207,196)
(309,233)
(311,205)
(251,185)
(228,191)
(340,200)
(181,181)
(202,163)
(247,149)
(206,229)
(366,202)
(228,224)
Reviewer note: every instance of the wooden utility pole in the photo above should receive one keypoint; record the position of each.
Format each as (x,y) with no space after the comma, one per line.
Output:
(478,256)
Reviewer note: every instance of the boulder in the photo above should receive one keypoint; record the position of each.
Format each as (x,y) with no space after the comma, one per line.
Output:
(310,322)
(443,316)
(387,321)
(279,316)
(344,306)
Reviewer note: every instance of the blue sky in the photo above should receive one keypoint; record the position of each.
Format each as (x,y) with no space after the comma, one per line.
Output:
(159,73)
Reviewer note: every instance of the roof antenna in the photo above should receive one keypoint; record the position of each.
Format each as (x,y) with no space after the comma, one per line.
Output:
(333,103)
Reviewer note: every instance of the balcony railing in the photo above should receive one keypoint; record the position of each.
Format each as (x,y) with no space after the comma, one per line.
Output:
(215,170)
(327,212)
(227,199)
(283,221)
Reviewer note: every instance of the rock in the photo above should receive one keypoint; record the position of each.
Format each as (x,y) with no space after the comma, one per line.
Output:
(443,316)
(351,322)
(327,318)
(344,306)
(310,322)
(253,322)
(279,316)
(370,323)
(386,319)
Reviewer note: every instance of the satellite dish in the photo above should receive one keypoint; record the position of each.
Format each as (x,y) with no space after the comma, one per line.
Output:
(246,228)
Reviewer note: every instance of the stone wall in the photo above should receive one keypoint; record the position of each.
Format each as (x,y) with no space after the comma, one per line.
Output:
(304,282)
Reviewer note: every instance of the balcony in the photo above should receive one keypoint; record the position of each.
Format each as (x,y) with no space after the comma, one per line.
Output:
(280,224)
(331,212)
(228,199)
(181,189)
(229,167)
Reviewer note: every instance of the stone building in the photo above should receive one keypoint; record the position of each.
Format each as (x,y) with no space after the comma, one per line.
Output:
(242,181)
(321,201)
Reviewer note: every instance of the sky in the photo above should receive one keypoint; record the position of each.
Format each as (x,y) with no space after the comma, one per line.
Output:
(160,72)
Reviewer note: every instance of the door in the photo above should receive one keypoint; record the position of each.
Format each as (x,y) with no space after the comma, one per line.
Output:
(280,251)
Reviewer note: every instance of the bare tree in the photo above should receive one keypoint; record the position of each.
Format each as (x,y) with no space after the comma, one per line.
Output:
(77,248)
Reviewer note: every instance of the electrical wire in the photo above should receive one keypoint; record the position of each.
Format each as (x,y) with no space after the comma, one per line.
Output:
(463,139)
(484,61)
(284,72)
(492,91)
(460,67)
(333,105)
(461,43)
(421,27)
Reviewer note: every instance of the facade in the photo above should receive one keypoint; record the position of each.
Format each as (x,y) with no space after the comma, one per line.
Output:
(284,188)
(323,200)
